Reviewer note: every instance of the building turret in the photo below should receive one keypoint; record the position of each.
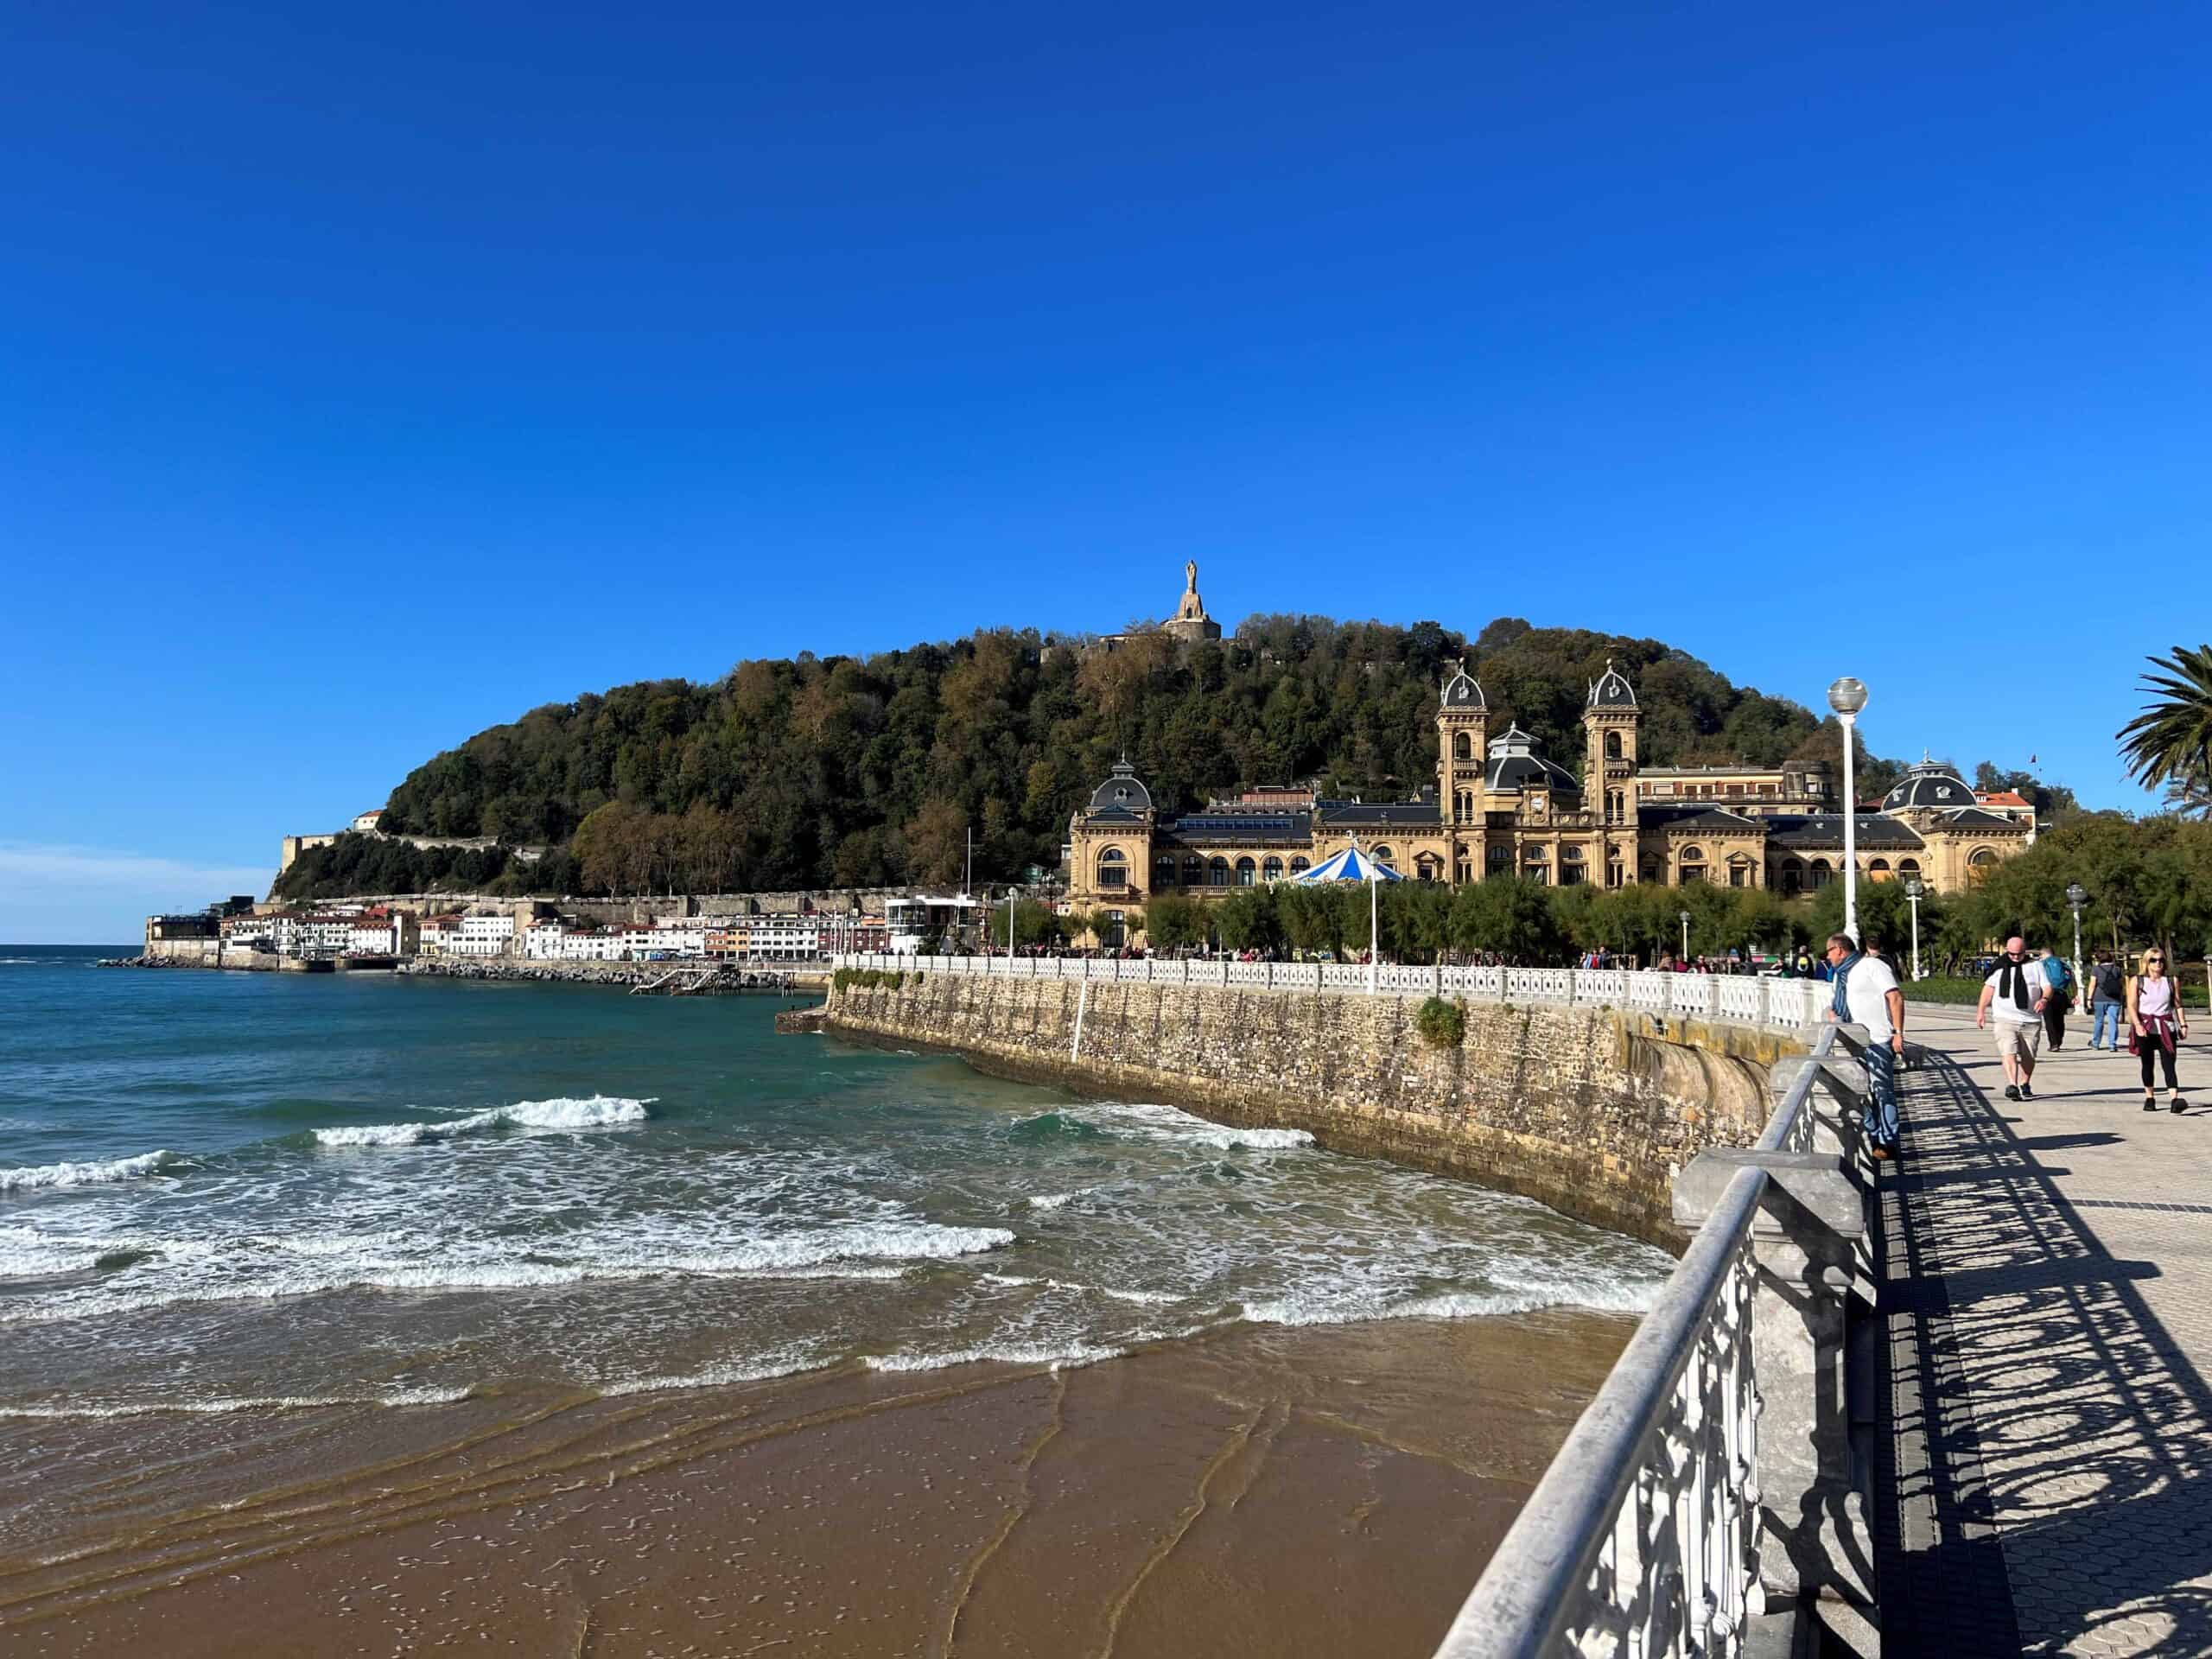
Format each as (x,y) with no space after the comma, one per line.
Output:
(1462,748)
(1611,720)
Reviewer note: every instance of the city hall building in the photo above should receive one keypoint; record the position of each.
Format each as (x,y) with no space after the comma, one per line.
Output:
(1500,807)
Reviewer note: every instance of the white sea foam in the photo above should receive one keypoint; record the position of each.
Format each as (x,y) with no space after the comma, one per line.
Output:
(222,1406)
(1144,1122)
(1059,1357)
(1049,1200)
(1339,1308)
(1143,1298)
(85,1174)
(814,1253)
(784,1363)
(596,1112)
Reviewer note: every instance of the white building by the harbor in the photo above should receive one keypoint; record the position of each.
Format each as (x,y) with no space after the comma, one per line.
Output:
(483,935)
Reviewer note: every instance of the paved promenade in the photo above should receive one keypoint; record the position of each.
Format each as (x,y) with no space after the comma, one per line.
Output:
(2048,1342)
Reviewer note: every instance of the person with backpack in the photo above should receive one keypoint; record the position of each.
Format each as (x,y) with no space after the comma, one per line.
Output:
(2108,1001)
(2060,998)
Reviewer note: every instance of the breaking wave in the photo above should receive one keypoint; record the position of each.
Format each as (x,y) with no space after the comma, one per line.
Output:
(223,1407)
(596,1112)
(86,1174)
(1153,1123)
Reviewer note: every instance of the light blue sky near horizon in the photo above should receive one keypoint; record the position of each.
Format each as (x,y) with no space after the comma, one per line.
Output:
(367,380)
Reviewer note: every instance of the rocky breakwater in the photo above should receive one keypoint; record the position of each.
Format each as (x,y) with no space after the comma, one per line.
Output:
(1591,1110)
(671,978)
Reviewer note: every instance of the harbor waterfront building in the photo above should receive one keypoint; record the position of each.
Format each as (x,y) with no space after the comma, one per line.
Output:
(1500,807)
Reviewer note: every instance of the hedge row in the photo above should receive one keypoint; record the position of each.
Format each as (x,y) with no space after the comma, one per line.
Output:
(867,979)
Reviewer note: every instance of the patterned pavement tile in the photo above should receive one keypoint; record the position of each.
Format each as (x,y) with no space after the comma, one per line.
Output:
(2047,1326)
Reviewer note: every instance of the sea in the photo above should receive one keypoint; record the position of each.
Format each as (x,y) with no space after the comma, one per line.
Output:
(226,1192)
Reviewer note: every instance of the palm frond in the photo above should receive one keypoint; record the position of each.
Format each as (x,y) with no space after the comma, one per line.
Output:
(2170,742)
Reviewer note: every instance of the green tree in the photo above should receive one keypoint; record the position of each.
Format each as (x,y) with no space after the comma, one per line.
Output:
(1174,922)
(1248,921)
(2170,743)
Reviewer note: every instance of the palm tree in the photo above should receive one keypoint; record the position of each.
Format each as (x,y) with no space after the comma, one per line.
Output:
(2170,742)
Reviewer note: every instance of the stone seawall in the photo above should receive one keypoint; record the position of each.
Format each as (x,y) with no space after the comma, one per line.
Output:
(1591,1110)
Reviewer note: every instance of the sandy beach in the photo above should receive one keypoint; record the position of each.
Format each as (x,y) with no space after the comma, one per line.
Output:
(1288,1492)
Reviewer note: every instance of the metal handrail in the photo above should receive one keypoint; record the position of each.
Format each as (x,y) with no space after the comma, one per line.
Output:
(1534,1589)
(1537,1585)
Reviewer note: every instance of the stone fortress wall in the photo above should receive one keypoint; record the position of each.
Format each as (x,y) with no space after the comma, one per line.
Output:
(1591,1110)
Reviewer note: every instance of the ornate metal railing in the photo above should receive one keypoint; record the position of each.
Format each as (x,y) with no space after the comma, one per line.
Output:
(1789,1004)
(1643,1538)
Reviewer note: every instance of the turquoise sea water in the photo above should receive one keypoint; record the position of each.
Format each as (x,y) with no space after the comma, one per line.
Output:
(224,1190)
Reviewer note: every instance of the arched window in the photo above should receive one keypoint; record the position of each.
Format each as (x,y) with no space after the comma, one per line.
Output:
(1462,807)
(1570,854)
(1792,877)
(1500,857)
(1980,863)
(1463,747)
(1384,856)
(1163,870)
(1822,874)
(1271,869)
(1113,868)
(1692,864)
(1298,863)
(1534,866)
(1463,871)
(1218,873)
(1247,871)
(1908,867)
(1878,869)
(1612,746)
(1194,869)
(1615,807)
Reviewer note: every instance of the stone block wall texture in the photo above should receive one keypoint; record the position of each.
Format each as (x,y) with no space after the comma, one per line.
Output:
(1591,1110)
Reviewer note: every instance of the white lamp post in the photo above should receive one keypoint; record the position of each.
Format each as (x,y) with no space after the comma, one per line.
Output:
(1847,696)
(2076,896)
(1913,889)
(1686,937)
(1374,934)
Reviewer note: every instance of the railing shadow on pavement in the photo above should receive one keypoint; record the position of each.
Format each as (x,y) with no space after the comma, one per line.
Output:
(2042,1479)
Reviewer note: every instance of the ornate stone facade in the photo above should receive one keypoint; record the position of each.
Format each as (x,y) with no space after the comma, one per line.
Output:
(1499,806)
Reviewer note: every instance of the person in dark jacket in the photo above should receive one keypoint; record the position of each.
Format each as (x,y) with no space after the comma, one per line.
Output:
(2107,990)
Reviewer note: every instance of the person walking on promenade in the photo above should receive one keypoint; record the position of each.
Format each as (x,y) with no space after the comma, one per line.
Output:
(2107,990)
(2060,998)
(1867,994)
(2157,1027)
(2015,991)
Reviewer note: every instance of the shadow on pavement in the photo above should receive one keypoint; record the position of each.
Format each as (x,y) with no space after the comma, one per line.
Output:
(2038,1485)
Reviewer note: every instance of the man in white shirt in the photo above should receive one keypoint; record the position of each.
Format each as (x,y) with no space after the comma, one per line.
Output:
(1869,992)
(2015,992)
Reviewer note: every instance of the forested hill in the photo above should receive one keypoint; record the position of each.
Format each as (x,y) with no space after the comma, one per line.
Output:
(847,772)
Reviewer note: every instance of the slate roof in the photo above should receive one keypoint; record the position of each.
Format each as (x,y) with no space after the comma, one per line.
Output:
(1611,689)
(1344,814)
(1231,829)
(1973,818)
(1929,784)
(1714,822)
(1516,764)
(1122,788)
(1461,692)
(1874,832)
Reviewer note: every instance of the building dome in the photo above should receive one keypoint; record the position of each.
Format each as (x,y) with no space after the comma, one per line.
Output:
(1460,691)
(1932,785)
(1121,791)
(1611,689)
(1517,761)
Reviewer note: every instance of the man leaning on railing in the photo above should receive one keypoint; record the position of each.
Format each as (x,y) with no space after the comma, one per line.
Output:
(1867,994)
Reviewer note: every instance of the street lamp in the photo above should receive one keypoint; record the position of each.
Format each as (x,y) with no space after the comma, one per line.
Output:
(1913,889)
(1847,696)
(2076,896)
(1686,937)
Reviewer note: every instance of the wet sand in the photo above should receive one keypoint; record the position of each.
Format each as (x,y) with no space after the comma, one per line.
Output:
(1324,1491)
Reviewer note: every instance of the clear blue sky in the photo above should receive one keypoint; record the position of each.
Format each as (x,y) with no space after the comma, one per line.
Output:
(370,375)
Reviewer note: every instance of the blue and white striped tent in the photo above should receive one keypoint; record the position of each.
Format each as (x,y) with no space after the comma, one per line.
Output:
(1350,865)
